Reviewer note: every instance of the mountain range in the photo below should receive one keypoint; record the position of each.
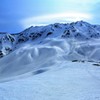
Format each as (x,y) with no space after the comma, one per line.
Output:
(75,31)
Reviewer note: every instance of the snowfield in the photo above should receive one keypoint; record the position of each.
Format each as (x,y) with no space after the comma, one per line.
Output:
(51,65)
(65,81)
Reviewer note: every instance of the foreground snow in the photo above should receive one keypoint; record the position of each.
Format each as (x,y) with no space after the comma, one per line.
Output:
(64,81)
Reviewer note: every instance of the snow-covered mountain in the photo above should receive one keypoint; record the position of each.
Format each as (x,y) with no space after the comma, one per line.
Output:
(76,31)
(38,46)
(54,62)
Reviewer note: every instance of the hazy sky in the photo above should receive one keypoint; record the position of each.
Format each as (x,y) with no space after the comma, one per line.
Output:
(16,15)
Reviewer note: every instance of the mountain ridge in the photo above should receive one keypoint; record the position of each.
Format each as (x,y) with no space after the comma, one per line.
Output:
(80,30)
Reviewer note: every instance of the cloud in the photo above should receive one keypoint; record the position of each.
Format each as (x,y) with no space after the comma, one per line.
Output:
(53,18)
(95,11)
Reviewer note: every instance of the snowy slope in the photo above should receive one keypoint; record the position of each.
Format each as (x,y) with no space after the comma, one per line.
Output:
(65,81)
(29,57)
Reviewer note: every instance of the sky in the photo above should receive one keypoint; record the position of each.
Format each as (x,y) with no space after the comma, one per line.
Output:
(16,15)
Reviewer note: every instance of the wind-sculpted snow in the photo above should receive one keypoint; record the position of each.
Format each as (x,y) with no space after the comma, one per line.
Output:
(28,58)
